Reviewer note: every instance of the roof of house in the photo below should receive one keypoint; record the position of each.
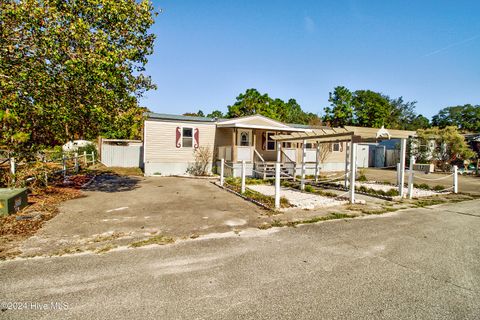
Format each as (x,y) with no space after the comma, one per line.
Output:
(165,116)
(253,121)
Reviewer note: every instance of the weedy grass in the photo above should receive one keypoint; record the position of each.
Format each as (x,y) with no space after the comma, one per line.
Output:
(158,239)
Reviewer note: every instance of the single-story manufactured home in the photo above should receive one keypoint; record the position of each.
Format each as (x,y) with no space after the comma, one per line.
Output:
(170,142)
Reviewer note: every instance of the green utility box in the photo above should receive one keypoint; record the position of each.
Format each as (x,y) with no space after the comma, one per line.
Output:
(12,200)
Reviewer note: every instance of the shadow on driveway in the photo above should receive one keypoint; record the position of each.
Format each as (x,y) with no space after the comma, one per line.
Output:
(113,183)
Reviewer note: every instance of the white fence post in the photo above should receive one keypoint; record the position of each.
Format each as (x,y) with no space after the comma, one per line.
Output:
(243,177)
(222,171)
(75,159)
(13,167)
(317,155)
(64,165)
(410,178)
(403,150)
(455,179)
(348,147)
(277,185)
(353,168)
(93,158)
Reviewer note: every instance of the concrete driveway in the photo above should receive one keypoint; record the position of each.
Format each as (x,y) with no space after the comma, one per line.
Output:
(119,210)
(412,264)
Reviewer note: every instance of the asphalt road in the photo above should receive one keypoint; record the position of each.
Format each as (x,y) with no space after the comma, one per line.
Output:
(413,264)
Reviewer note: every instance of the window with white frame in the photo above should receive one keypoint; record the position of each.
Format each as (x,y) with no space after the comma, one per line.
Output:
(270,141)
(244,139)
(187,137)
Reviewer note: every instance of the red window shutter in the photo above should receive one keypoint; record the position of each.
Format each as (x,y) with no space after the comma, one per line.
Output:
(196,137)
(178,141)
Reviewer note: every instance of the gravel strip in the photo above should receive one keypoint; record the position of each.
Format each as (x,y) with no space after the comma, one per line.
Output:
(299,199)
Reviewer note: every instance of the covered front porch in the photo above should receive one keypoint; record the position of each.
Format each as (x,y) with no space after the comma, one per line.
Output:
(250,140)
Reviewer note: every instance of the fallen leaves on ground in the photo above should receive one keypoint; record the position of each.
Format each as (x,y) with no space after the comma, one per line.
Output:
(43,206)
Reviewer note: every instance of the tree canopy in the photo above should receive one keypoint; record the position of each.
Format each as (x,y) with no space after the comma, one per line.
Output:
(253,102)
(367,108)
(72,69)
(466,117)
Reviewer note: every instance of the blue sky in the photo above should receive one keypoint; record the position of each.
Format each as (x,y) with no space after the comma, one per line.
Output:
(207,52)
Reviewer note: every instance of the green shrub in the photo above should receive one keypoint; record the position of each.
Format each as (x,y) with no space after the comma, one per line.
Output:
(439,187)
(392,192)
(309,188)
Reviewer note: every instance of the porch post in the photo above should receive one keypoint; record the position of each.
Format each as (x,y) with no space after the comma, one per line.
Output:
(353,168)
(347,152)
(304,153)
(317,154)
(403,150)
(234,145)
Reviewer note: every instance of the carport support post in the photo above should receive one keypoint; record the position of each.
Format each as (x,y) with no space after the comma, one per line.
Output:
(304,153)
(243,177)
(410,177)
(222,171)
(316,161)
(353,168)
(398,174)
(403,150)
(455,179)
(277,185)
(347,150)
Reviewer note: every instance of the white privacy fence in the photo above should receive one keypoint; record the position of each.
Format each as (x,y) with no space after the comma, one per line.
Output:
(121,153)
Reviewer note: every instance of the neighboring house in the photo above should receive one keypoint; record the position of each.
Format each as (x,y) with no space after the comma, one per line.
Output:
(170,142)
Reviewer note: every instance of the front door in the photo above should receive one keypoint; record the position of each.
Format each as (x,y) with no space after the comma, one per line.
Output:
(244,138)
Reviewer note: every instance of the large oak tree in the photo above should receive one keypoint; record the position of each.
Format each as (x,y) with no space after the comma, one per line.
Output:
(71,69)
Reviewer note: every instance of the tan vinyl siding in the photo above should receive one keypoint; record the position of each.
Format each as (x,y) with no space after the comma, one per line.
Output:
(224,137)
(160,140)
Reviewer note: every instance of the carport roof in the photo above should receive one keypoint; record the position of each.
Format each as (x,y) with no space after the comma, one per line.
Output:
(346,133)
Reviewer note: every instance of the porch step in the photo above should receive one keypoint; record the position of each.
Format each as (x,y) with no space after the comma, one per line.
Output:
(267,170)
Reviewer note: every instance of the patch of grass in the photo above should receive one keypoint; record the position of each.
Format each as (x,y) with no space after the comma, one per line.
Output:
(311,189)
(105,249)
(257,181)
(101,238)
(331,216)
(158,239)
(390,193)
(379,211)
(429,202)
